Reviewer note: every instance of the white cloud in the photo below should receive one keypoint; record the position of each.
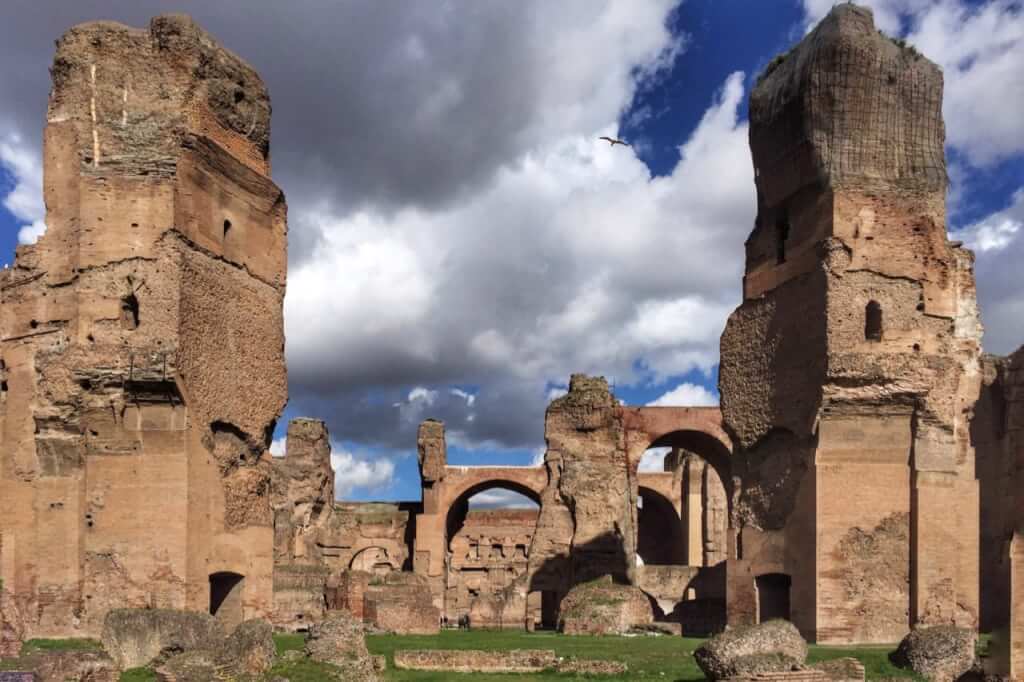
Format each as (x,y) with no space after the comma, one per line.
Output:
(685,395)
(352,471)
(653,459)
(574,259)
(998,242)
(499,498)
(980,49)
(25,200)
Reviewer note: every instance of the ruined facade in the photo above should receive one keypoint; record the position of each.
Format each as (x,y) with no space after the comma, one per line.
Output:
(138,397)
(849,371)
(862,476)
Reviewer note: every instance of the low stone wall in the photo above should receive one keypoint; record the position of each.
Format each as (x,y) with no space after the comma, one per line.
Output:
(471,661)
(398,617)
(298,595)
(787,676)
(401,603)
(838,670)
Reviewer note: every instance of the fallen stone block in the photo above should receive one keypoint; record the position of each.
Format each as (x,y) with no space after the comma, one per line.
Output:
(602,607)
(940,653)
(471,661)
(134,638)
(775,646)
(79,666)
(340,640)
(588,666)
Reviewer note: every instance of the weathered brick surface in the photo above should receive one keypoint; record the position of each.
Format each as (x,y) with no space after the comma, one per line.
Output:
(846,371)
(138,401)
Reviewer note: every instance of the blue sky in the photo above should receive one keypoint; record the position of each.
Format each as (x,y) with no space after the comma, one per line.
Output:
(459,239)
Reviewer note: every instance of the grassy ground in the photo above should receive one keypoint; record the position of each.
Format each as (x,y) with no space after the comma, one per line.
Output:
(662,658)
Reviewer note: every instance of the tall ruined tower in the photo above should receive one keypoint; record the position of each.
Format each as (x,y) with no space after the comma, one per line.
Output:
(848,372)
(142,339)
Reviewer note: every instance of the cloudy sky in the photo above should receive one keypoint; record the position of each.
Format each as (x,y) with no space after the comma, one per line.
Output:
(460,241)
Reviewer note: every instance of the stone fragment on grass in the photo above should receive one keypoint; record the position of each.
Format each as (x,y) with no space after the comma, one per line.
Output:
(135,638)
(774,646)
(339,640)
(250,648)
(940,653)
(602,607)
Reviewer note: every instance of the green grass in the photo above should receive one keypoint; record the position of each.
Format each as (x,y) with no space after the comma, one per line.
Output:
(60,645)
(287,641)
(874,658)
(663,658)
(648,657)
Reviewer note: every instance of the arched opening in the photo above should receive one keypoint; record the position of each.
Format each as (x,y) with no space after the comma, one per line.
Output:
(702,467)
(373,560)
(772,596)
(130,312)
(226,597)
(873,321)
(781,237)
(659,531)
(489,530)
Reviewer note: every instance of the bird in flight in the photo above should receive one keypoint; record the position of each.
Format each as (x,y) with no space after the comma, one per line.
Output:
(612,141)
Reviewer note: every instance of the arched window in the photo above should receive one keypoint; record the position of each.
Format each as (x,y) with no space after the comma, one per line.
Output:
(873,321)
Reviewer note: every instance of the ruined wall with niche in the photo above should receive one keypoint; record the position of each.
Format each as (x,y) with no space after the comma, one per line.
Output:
(318,540)
(848,372)
(137,401)
(488,554)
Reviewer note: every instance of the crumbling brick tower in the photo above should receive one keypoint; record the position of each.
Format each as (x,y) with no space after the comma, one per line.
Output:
(142,339)
(848,372)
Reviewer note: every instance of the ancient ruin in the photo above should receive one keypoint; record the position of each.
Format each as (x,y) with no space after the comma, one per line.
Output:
(861,478)
(137,401)
(848,373)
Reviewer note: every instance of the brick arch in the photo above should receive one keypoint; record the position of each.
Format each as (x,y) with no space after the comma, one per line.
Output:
(459,494)
(697,429)
(466,481)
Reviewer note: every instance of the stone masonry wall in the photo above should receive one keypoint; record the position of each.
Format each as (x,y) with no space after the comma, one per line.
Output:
(849,371)
(138,399)
(588,510)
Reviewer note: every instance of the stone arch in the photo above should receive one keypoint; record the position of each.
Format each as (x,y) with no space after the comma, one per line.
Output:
(707,446)
(226,590)
(456,511)
(659,530)
(374,560)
